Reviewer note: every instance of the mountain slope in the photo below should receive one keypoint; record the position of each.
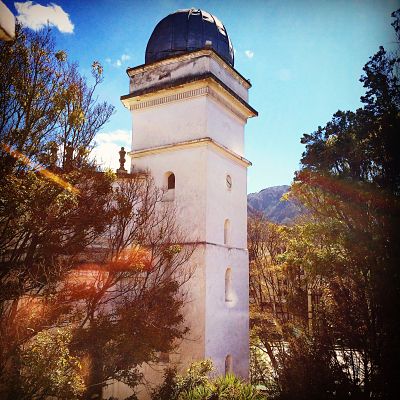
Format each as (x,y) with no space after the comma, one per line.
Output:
(268,201)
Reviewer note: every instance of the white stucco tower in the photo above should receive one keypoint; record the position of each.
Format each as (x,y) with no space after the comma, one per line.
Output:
(189,108)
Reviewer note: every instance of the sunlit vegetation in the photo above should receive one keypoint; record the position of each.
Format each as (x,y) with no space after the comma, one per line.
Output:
(200,382)
(91,269)
(90,265)
(326,292)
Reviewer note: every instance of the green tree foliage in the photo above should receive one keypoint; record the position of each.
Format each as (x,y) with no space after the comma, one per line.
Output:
(346,252)
(350,178)
(49,369)
(268,293)
(48,212)
(291,355)
(78,248)
(133,297)
(44,100)
(197,384)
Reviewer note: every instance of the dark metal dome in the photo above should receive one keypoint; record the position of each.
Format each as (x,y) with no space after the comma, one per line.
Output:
(188,30)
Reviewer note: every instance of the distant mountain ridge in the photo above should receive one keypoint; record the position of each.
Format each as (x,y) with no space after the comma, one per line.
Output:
(268,201)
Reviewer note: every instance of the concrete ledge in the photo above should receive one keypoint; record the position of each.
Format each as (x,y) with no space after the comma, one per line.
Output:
(179,83)
(190,54)
(190,143)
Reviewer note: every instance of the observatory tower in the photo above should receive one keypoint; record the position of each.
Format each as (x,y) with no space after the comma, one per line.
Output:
(189,108)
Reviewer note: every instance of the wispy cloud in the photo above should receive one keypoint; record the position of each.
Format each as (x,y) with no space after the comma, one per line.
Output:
(118,63)
(108,144)
(284,74)
(36,16)
(249,53)
(119,136)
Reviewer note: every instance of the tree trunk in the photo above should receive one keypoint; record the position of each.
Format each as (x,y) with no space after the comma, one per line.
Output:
(94,378)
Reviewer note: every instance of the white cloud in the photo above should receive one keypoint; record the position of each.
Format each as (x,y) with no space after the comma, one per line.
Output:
(108,145)
(118,63)
(108,60)
(249,53)
(119,136)
(36,16)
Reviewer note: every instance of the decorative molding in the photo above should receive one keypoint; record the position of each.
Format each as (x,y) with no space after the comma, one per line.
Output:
(191,143)
(205,90)
(168,99)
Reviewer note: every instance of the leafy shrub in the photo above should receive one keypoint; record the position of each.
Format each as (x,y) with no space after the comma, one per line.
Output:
(48,368)
(197,384)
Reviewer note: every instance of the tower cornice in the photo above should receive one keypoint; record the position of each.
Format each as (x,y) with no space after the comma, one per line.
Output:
(187,67)
(189,55)
(191,86)
(206,141)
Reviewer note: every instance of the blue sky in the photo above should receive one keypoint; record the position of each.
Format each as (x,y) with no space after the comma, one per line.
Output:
(304,59)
